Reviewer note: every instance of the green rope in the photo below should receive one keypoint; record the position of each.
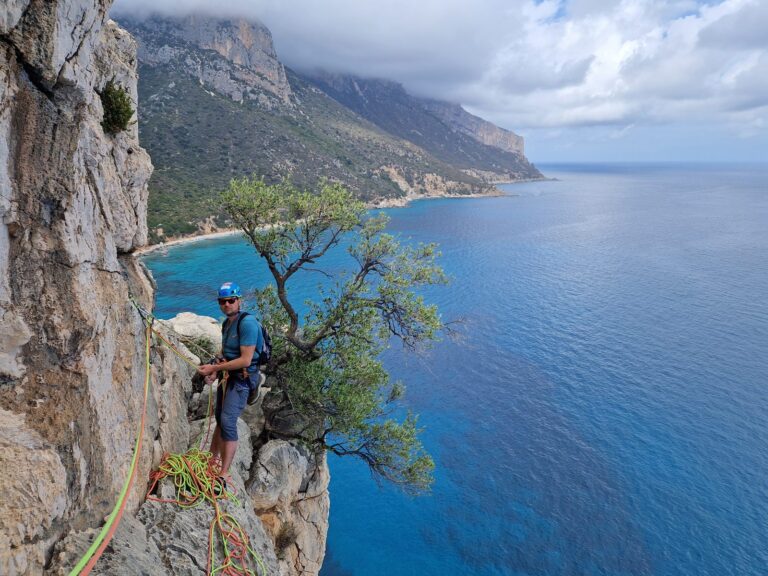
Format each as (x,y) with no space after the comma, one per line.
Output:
(194,476)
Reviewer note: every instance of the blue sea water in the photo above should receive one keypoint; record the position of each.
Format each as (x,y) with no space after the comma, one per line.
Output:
(605,407)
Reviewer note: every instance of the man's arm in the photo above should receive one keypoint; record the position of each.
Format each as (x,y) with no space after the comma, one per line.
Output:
(246,355)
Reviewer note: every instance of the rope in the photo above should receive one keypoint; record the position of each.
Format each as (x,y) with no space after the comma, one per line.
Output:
(195,476)
(87,562)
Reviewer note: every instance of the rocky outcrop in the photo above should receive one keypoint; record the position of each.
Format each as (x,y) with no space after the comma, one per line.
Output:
(479,129)
(289,491)
(72,208)
(194,326)
(165,538)
(73,203)
(417,186)
(248,70)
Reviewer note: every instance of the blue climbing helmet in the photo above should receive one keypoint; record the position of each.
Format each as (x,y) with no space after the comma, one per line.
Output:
(229,290)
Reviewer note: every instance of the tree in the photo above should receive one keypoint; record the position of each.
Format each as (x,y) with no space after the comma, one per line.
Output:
(333,392)
(117,108)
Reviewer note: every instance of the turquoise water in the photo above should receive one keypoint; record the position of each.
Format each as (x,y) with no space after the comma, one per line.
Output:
(605,408)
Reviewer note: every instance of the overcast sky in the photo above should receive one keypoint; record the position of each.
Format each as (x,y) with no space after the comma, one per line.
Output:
(582,80)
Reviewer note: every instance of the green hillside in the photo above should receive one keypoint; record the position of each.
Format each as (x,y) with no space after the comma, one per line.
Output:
(215,103)
(199,140)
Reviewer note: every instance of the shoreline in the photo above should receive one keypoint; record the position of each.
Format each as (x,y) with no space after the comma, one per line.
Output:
(185,240)
(385,203)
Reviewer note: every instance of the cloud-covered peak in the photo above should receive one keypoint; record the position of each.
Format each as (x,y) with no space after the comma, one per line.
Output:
(535,65)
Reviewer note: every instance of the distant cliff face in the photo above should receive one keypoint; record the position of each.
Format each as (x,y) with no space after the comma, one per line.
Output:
(443,129)
(247,70)
(479,129)
(209,114)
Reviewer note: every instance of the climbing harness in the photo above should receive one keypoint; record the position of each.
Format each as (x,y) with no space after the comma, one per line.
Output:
(195,476)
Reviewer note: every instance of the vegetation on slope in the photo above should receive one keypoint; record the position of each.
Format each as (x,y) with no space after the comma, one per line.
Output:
(199,140)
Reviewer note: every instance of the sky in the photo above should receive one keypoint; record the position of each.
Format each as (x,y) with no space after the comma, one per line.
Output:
(581,80)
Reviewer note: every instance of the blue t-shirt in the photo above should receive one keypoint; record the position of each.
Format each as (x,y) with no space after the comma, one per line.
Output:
(250,335)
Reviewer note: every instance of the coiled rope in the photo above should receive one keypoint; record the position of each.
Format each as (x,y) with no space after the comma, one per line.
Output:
(195,476)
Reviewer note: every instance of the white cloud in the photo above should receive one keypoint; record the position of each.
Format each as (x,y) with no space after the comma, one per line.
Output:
(537,65)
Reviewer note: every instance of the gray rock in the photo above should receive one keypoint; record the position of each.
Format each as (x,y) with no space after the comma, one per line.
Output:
(289,487)
(194,326)
(73,206)
(247,69)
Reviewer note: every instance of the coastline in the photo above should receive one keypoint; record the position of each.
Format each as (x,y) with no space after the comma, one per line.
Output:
(185,240)
(385,203)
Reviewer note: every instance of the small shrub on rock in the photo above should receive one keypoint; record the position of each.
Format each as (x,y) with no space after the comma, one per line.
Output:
(286,537)
(117,108)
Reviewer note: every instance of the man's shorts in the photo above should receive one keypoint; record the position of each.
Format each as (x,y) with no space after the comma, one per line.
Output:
(229,406)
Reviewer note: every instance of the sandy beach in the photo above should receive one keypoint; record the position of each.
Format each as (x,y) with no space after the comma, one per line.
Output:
(185,240)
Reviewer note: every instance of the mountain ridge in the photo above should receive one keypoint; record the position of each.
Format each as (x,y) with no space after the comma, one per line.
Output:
(217,104)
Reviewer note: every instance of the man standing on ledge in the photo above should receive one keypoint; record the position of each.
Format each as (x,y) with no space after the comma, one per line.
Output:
(240,338)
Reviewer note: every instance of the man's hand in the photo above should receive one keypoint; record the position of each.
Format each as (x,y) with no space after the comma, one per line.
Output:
(207,370)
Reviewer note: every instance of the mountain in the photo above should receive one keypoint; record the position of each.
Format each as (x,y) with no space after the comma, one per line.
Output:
(217,103)
(445,130)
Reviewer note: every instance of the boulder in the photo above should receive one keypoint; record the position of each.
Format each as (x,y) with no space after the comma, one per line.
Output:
(191,325)
(289,490)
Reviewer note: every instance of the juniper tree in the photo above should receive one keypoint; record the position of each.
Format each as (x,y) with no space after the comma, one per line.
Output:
(117,108)
(326,358)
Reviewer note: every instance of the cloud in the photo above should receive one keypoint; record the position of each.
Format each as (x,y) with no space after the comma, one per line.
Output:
(535,64)
(743,29)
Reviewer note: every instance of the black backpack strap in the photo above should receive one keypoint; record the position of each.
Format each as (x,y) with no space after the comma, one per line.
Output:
(237,327)
(240,319)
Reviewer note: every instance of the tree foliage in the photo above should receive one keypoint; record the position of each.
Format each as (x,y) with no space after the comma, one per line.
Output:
(326,356)
(117,108)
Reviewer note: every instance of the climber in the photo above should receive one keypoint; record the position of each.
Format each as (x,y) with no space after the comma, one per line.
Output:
(241,336)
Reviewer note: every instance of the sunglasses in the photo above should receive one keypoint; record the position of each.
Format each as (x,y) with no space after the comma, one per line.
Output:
(227,300)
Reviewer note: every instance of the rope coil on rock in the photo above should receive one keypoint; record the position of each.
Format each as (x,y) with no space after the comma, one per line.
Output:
(195,477)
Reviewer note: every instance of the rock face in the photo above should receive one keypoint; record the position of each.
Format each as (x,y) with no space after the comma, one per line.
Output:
(248,70)
(72,208)
(479,129)
(73,202)
(445,130)
(289,490)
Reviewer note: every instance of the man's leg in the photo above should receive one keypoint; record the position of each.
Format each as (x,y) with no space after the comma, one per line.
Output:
(216,444)
(228,453)
(232,405)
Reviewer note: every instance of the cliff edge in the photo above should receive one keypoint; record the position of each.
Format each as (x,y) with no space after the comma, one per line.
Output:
(73,204)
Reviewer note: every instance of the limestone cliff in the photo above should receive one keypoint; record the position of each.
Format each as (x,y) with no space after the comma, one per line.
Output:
(247,70)
(446,130)
(73,203)
(218,104)
(479,129)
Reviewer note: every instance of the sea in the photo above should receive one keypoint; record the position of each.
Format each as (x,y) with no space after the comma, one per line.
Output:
(601,407)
